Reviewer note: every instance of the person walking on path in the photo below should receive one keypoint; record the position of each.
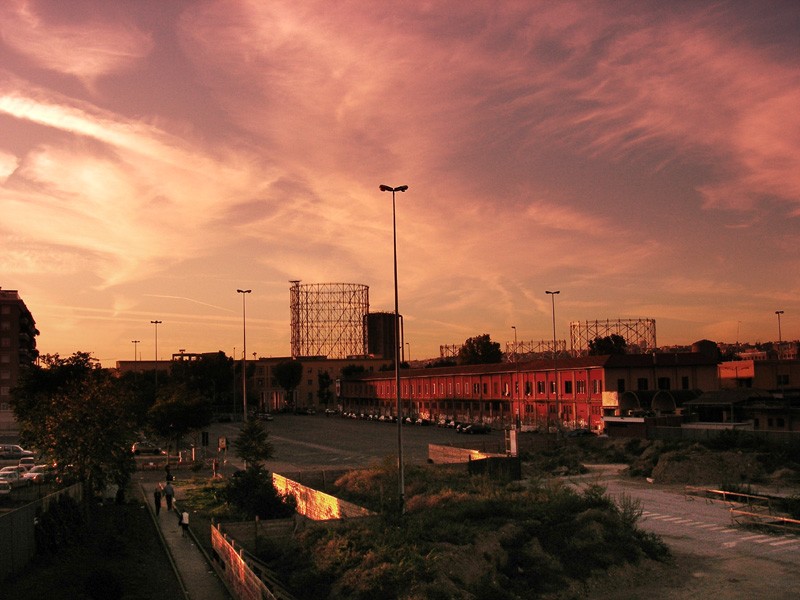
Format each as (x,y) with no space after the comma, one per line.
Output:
(157,498)
(169,492)
(184,522)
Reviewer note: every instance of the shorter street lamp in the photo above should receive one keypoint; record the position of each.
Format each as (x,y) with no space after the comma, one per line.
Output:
(555,363)
(156,324)
(135,350)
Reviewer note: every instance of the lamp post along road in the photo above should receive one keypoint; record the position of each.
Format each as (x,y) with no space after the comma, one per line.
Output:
(397,352)
(244,355)
(555,360)
(778,313)
(135,350)
(156,324)
(514,392)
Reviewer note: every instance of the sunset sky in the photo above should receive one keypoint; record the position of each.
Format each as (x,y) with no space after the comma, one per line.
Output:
(641,157)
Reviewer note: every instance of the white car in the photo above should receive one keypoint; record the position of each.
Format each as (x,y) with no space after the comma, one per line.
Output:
(13,476)
(40,474)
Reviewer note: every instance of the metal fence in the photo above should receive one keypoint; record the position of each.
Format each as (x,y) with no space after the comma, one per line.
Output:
(702,434)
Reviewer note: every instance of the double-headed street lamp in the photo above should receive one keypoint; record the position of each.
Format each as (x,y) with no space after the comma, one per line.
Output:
(555,363)
(778,353)
(135,350)
(397,351)
(156,324)
(244,356)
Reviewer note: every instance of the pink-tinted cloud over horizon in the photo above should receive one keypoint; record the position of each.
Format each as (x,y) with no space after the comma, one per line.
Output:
(639,156)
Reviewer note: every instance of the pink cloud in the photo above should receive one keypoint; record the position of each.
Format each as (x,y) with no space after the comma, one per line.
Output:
(86,50)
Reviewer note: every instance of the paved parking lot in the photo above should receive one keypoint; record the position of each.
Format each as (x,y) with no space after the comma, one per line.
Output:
(316,442)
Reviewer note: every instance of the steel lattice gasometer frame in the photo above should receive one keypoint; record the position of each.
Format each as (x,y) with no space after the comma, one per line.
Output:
(638,333)
(327,319)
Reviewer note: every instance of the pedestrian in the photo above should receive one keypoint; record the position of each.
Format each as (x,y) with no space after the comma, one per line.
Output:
(169,492)
(184,522)
(168,473)
(214,468)
(157,498)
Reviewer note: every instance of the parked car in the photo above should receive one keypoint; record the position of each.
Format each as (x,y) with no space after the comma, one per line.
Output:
(146,448)
(13,452)
(580,433)
(473,428)
(40,474)
(5,488)
(27,461)
(13,476)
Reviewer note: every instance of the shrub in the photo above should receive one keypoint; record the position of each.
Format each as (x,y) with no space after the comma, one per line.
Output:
(253,494)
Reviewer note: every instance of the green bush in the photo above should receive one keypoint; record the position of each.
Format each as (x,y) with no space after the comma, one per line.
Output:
(251,493)
(62,525)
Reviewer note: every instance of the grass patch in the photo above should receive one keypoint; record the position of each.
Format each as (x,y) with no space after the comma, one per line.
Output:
(461,536)
(115,552)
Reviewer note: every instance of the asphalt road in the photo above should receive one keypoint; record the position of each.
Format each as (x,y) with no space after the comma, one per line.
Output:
(304,442)
(722,560)
(716,558)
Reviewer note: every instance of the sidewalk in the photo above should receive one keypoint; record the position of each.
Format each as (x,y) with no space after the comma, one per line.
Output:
(198,578)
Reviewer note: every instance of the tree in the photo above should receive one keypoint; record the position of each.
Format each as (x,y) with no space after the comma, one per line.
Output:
(211,375)
(253,445)
(78,415)
(353,371)
(324,393)
(253,494)
(441,362)
(288,374)
(178,411)
(480,350)
(610,344)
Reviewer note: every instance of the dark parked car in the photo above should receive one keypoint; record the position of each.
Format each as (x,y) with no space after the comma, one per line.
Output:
(13,452)
(580,433)
(146,448)
(473,428)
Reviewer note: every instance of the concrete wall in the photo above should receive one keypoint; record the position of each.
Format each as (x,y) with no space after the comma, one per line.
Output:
(316,505)
(442,455)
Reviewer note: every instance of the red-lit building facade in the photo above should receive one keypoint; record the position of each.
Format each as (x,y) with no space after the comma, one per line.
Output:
(576,391)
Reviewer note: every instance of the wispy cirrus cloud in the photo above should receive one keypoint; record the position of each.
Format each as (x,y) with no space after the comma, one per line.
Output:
(613,151)
(86,49)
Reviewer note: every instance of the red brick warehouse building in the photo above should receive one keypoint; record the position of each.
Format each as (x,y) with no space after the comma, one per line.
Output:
(578,392)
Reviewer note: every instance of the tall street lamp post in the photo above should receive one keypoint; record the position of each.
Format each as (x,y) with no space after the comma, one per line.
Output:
(555,360)
(514,393)
(135,350)
(778,353)
(397,351)
(156,324)
(244,355)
